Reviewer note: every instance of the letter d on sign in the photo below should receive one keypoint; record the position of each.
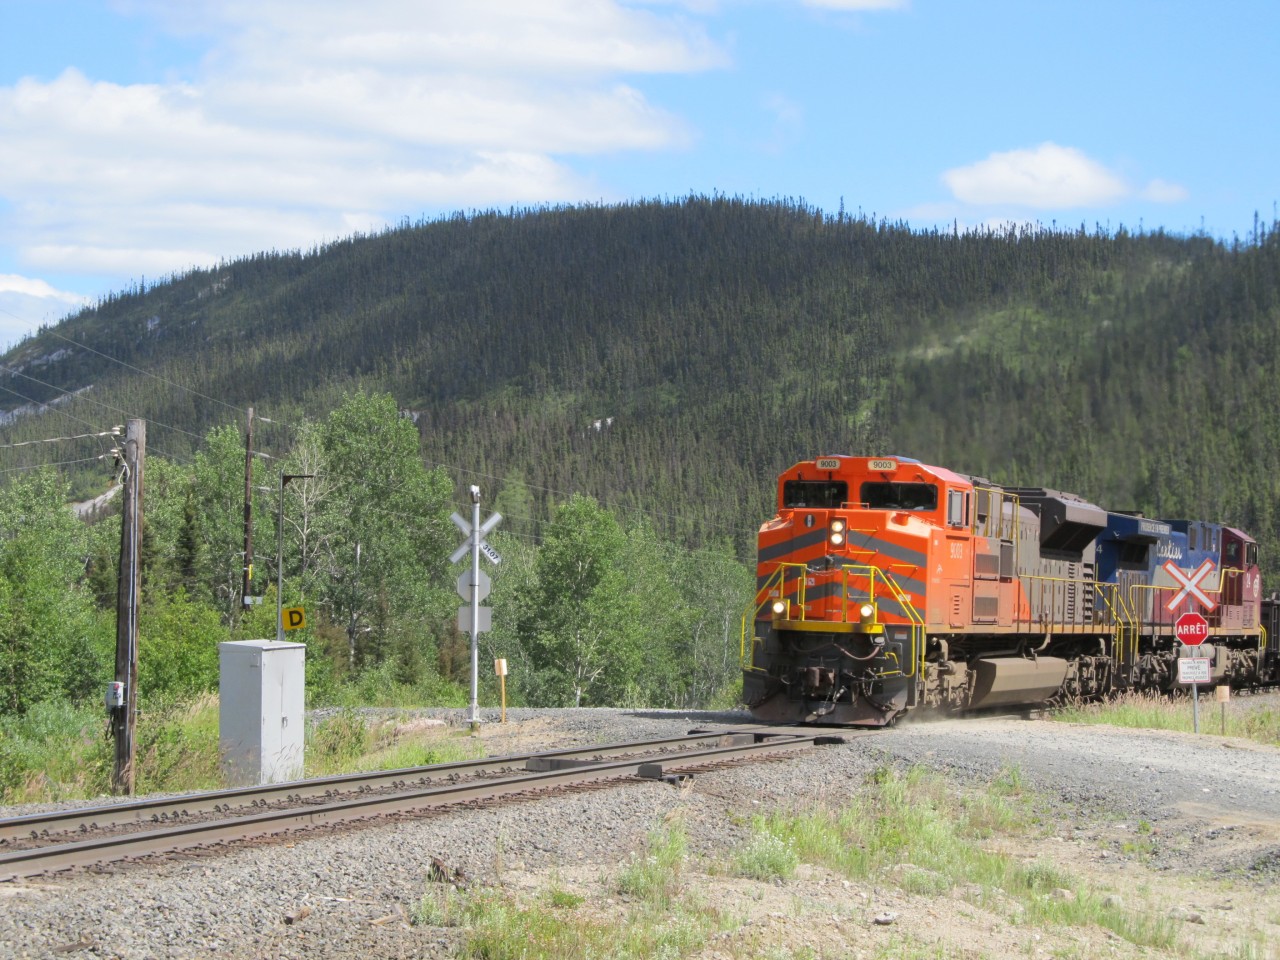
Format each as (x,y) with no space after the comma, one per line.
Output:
(295,618)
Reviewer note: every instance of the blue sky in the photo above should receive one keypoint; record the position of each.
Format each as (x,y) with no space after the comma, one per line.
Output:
(139,138)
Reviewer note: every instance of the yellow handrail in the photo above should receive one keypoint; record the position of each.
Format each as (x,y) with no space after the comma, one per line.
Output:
(775,587)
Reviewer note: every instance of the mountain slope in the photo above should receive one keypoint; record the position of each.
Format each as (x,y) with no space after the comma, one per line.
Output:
(673,357)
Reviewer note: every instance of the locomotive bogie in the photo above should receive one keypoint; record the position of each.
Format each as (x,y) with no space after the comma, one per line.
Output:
(885,585)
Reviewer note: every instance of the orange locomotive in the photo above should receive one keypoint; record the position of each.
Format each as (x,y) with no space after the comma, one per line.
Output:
(885,584)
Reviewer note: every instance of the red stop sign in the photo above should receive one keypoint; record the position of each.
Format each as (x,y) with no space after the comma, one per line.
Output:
(1191,628)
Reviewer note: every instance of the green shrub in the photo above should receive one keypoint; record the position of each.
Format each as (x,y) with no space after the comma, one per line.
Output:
(177,649)
(55,751)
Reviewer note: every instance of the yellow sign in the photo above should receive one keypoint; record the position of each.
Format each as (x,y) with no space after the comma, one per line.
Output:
(295,618)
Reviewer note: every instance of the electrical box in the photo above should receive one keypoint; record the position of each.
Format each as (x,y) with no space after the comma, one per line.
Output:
(115,695)
(262,718)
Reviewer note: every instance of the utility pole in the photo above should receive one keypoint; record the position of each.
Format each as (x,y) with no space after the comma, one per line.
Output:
(248,508)
(122,697)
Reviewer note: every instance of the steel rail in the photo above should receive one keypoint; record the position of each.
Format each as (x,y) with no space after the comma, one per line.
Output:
(106,816)
(34,861)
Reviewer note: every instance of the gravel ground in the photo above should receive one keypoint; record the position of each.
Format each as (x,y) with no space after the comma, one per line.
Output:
(1213,805)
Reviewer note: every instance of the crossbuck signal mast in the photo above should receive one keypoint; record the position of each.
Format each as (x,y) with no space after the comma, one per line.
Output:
(473,585)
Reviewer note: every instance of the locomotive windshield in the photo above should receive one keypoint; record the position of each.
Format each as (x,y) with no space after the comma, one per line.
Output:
(821,494)
(899,496)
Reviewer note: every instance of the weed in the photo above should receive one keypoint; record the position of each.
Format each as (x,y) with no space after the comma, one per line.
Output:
(655,877)
(441,906)
(766,856)
(789,953)
(563,899)
(1008,782)
(498,928)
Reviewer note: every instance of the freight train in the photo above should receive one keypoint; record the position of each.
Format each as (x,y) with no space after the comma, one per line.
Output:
(886,585)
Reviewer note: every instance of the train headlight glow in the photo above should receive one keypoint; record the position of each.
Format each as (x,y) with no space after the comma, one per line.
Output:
(837,526)
(837,538)
(779,607)
(867,613)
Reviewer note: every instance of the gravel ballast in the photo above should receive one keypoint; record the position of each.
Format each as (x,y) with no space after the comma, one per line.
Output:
(1213,802)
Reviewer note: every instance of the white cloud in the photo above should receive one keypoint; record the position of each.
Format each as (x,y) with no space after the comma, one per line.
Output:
(27,302)
(857,4)
(309,116)
(1161,191)
(1048,177)
(11,283)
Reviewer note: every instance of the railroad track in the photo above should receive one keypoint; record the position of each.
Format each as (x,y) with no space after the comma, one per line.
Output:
(61,840)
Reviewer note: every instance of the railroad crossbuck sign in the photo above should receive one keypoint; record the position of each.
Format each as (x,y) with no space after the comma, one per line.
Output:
(473,585)
(1190,585)
(486,551)
(1191,628)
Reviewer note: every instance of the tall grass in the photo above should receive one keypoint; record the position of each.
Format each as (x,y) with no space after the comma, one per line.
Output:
(58,752)
(347,741)
(1155,712)
(919,832)
(54,752)
(660,921)
(380,687)
(176,747)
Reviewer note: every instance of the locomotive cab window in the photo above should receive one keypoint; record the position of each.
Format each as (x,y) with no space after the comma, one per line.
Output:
(1231,555)
(899,496)
(821,494)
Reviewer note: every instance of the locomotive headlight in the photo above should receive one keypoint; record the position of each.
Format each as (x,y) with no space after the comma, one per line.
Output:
(779,607)
(837,538)
(837,526)
(867,614)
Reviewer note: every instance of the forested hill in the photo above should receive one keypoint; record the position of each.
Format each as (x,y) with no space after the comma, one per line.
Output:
(674,356)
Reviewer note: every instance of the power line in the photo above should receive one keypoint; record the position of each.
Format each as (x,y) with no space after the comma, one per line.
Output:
(79,395)
(454,468)
(164,380)
(60,463)
(565,494)
(113,432)
(57,410)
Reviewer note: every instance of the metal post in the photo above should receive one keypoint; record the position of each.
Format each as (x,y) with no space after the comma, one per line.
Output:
(1195,708)
(284,479)
(248,510)
(475,609)
(280,564)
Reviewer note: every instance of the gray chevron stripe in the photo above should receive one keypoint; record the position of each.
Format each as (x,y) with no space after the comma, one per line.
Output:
(806,539)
